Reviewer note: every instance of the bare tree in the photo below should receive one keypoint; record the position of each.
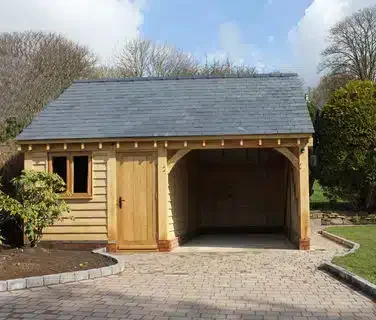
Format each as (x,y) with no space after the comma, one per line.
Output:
(34,69)
(140,58)
(143,58)
(352,48)
(105,72)
(225,68)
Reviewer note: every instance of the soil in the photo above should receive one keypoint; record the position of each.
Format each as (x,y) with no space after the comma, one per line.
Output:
(29,262)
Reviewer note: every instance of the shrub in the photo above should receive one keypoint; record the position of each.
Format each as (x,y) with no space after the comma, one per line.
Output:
(38,202)
(372,218)
(356,219)
(347,143)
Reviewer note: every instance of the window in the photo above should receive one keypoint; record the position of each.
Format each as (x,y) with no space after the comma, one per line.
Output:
(75,170)
(60,166)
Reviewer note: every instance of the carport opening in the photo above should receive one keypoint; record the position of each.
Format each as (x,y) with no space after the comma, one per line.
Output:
(233,198)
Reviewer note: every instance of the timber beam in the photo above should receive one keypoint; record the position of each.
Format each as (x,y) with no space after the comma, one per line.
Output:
(175,158)
(294,160)
(191,143)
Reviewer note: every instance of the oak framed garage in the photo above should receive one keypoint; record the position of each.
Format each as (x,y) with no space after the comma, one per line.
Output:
(174,157)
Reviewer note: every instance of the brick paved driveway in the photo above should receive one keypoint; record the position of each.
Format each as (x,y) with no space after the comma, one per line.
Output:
(260,284)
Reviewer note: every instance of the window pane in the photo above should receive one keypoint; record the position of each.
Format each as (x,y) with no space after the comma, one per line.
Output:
(81,171)
(59,166)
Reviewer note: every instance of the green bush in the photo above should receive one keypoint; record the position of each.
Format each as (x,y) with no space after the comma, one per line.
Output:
(38,202)
(356,219)
(347,144)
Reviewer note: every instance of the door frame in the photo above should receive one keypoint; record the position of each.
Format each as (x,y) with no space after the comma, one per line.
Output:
(153,155)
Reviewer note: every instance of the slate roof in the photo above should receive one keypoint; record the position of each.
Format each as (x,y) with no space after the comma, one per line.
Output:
(173,107)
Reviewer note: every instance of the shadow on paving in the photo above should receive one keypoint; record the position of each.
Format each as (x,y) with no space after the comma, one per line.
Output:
(87,301)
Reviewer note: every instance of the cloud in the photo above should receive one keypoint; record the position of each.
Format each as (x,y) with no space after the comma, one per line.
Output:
(103,25)
(308,37)
(233,45)
(271,39)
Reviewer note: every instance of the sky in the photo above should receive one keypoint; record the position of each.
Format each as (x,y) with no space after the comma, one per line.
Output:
(272,35)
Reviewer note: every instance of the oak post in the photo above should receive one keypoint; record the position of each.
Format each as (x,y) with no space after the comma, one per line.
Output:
(303,200)
(111,200)
(162,194)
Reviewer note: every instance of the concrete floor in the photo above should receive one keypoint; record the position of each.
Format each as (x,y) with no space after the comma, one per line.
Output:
(235,242)
(249,242)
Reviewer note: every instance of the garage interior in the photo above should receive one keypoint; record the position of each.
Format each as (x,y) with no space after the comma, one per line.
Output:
(233,198)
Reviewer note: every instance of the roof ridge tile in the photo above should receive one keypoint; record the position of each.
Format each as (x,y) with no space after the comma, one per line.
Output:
(194,77)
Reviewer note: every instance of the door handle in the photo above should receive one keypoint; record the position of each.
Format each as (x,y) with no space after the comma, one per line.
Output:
(120,202)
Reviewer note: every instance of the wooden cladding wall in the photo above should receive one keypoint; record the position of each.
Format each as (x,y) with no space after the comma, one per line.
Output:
(90,215)
(242,189)
(183,209)
(292,225)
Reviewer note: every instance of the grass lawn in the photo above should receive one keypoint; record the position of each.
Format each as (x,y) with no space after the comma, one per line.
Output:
(363,261)
(319,201)
(318,194)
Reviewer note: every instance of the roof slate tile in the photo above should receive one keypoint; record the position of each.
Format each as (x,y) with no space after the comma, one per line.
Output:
(152,107)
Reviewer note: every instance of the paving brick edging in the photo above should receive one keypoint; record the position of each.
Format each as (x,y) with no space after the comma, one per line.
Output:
(364,285)
(75,276)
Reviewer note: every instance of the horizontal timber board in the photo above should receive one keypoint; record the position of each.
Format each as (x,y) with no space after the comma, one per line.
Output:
(99,174)
(74,237)
(97,191)
(82,222)
(75,229)
(88,213)
(100,160)
(40,162)
(87,205)
(99,166)
(99,182)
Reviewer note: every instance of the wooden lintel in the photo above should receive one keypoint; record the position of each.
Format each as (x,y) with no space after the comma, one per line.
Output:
(290,156)
(175,158)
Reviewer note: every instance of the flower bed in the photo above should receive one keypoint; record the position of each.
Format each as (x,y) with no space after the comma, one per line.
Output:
(30,262)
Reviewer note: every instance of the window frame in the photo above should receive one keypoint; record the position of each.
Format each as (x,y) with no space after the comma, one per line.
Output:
(69,194)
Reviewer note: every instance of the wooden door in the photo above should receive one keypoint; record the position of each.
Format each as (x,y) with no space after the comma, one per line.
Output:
(136,193)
